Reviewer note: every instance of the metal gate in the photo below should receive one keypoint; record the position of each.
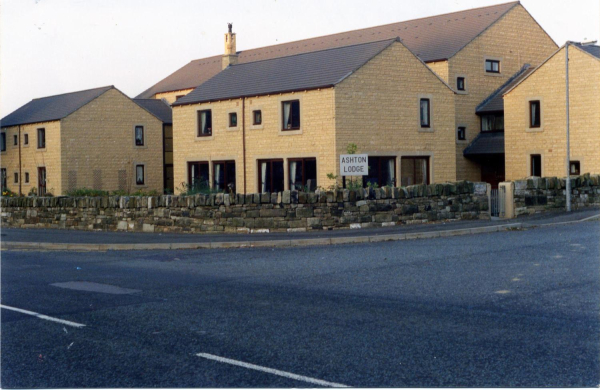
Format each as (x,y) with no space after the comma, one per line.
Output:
(498,202)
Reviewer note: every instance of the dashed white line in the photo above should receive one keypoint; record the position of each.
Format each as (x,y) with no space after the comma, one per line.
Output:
(43,317)
(273,371)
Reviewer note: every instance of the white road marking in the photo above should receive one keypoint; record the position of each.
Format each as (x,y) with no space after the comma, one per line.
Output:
(270,370)
(43,317)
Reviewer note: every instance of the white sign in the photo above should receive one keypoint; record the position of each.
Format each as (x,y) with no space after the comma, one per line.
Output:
(354,164)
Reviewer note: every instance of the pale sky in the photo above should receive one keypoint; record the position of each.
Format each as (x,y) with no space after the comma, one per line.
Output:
(48,47)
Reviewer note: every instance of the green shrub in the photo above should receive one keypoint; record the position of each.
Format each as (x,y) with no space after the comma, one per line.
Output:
(86,192)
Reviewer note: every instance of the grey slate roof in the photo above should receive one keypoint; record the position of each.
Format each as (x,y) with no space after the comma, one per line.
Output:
(592,49)
(298,72)
(432,38)
(486,143)
(52,108)
(495,102)
(158,108)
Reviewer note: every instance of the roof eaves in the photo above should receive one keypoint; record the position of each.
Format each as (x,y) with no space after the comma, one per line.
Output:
(535,70)
(497,91)
(175,104)
(392,41)
(88,102)
(31,123)
(586,52)
(516,3)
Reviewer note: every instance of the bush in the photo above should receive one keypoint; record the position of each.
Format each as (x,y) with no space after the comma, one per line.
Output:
(86,192)
(8,193)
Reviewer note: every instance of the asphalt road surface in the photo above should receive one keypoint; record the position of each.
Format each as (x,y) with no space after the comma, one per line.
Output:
(519,308)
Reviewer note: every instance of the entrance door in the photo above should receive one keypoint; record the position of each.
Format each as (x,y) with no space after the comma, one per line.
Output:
(41,181)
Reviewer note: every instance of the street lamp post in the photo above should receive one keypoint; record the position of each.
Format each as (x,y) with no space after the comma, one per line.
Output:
(568,163)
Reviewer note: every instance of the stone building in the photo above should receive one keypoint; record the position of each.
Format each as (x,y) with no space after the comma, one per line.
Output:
(474,51)
(97,138)
(282,123)
(536,116)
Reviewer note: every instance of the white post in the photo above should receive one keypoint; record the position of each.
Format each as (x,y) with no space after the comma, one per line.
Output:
(568,180)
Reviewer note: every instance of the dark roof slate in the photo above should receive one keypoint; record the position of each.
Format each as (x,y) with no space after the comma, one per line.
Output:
(52,108)
(592,49)
(431,38)
(313,70)
(495,102)
(158,108)
(486,143)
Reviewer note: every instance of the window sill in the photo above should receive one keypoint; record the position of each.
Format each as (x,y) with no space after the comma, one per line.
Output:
(290,132)
(462,92)
(256,127)
(40,149)
(237,128)
(534,130)
(462,142)
(426,130)
(140,146)
(204,138)
(493,74)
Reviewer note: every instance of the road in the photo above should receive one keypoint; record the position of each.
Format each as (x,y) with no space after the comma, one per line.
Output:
(518,308)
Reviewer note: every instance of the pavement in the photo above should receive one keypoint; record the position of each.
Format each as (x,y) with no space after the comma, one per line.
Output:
(55,239)
(518,308)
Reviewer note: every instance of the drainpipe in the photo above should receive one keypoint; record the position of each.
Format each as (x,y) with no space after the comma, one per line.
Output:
(20,168)
(244,140)
(568,135)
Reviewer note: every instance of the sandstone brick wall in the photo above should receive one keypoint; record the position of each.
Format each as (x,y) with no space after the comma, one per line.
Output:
(284,211)
(32,157)
(542,194)
(548,85)
(98,146)
(516,39)
(172,96)
(377,108)
(314,139)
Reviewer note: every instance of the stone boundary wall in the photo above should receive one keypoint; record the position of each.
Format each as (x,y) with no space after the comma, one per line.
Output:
(540,194)
(253,213)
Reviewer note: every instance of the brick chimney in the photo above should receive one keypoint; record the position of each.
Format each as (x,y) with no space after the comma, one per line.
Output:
(230,57)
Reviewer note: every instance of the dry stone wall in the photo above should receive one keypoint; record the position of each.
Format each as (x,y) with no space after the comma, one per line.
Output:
(284,211)
(541,194)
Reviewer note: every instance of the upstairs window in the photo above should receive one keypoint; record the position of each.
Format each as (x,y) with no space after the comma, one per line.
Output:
(41,138)
(15,140)
(425,113)
(3,142)
(232,119)
(460,83)
(26,177)
(139,175)
(3,178)
(139,136)
(257,117)
(204,123)
(534,114)
(291,115)
(461,134)
(26,139)
(493,122)
(492,66)
(16,177)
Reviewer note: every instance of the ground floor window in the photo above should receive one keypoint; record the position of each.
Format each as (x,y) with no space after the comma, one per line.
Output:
(575,168)
(270,175)
(3,178)
(493,122)
(382,171)
(224,176)
(302,174)
(26,177)
(16,177)
(414,170)
(139,175)
(198,175)
(41,181)
(536,165)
